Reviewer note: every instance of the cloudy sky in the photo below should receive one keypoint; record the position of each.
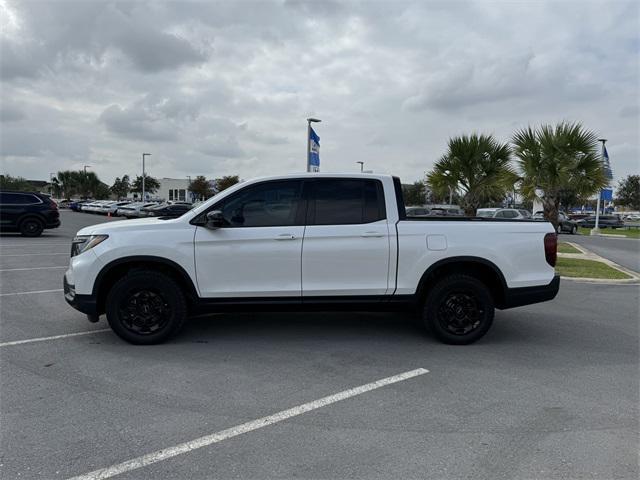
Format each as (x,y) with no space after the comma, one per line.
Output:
(219,88)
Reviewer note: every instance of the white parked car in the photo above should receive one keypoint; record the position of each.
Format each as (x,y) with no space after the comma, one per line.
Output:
(509,213)
(133,209)
(243,249)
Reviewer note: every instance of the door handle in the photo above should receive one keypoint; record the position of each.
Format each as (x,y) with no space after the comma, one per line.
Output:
(286,236)
(372,234)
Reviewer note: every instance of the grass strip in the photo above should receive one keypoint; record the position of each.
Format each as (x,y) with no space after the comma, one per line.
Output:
(627,232)
(575,267)
(566,248)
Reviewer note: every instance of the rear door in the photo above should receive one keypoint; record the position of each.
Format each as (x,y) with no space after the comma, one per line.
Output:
(346,241)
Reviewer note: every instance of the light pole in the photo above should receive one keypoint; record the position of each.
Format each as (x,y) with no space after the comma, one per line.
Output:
(309,121)
(85,169)
(596,229)
(143,174)
(361,166)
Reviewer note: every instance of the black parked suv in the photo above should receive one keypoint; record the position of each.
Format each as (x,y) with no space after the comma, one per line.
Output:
(27,212)
(611,221)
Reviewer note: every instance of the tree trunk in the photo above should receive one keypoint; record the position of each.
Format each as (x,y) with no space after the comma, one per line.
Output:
(550,206)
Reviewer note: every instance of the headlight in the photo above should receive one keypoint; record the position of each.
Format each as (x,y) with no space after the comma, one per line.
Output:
(82,243)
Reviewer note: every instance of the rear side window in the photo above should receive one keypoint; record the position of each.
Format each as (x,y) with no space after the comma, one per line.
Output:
(8,198)
(346,202)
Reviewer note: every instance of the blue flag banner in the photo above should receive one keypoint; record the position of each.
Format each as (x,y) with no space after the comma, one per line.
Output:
(314,150)
(606,194)
(607,166)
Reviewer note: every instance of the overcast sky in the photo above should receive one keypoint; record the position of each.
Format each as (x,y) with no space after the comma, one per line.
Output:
(221,88)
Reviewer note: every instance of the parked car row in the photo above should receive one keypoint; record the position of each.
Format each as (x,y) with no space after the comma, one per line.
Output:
(130,209)
(438,211)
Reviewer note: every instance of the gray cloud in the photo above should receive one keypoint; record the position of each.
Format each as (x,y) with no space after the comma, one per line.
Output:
(221,88)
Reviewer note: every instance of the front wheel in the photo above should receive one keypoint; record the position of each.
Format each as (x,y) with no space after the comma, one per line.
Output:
(146,307)
(574,230)
(459,310)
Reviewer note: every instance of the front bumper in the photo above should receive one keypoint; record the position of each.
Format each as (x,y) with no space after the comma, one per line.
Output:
(86,304)
(517,297)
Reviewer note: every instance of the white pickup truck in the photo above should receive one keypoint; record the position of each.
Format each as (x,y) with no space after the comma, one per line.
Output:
(309,242)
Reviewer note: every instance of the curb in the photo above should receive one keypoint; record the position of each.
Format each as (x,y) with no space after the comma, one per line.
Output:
(589,255)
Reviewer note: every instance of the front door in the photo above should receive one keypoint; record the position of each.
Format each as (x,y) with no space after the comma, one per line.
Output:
(257,253)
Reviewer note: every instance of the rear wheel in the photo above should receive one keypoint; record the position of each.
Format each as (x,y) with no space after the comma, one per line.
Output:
(574,230)
(31,227)
(146,307)
(459,310)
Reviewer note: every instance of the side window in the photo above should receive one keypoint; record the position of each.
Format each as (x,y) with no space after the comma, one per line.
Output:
(500,214)
(269,204)
(346,202)
(7,198)
(510,214)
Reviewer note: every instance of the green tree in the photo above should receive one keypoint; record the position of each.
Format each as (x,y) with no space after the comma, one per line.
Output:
(200,187)
(225,182)
(151,184)
(7,182)
(476,166)
(555,160)
(628,192)
(67,181)
(414,194)
(88,184)
(121,187)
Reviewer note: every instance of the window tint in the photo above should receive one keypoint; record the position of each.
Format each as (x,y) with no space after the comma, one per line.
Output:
(8,198)
(268,204)
(346,201)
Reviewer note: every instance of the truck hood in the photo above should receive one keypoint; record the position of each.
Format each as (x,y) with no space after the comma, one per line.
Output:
(151,223)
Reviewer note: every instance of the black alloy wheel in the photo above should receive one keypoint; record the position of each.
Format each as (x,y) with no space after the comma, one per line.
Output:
(144,311)
(458,309)
(146,307)
(460,313)
(31,227)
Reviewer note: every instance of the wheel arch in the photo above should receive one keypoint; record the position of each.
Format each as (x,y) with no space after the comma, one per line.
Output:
(477,267)
(116,269)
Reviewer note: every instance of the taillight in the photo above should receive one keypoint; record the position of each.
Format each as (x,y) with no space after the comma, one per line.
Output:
(551,248)
(54,205)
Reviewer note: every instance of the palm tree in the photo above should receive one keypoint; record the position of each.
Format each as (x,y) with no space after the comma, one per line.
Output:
(476,165)
(557,160)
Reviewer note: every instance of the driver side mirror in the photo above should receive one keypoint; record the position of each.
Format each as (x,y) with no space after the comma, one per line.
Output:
(214,220)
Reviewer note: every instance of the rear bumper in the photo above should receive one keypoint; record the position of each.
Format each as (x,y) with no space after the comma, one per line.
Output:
(86,304)
(517,297)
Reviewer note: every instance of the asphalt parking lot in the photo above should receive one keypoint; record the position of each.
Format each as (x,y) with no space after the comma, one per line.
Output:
(551,392)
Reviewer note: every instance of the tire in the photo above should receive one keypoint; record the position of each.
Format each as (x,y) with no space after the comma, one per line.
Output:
(150,294)
(31,227)
(574,230)
(559,228)
(464,297)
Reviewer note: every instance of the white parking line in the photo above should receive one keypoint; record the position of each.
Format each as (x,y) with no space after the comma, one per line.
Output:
(186,447)
(31,254)
(55,337)
(28,293)
(30,268)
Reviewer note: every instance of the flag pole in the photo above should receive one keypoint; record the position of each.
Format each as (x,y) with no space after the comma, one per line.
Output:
(308,144)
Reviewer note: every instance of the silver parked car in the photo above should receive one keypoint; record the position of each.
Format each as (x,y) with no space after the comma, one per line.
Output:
(510,213)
